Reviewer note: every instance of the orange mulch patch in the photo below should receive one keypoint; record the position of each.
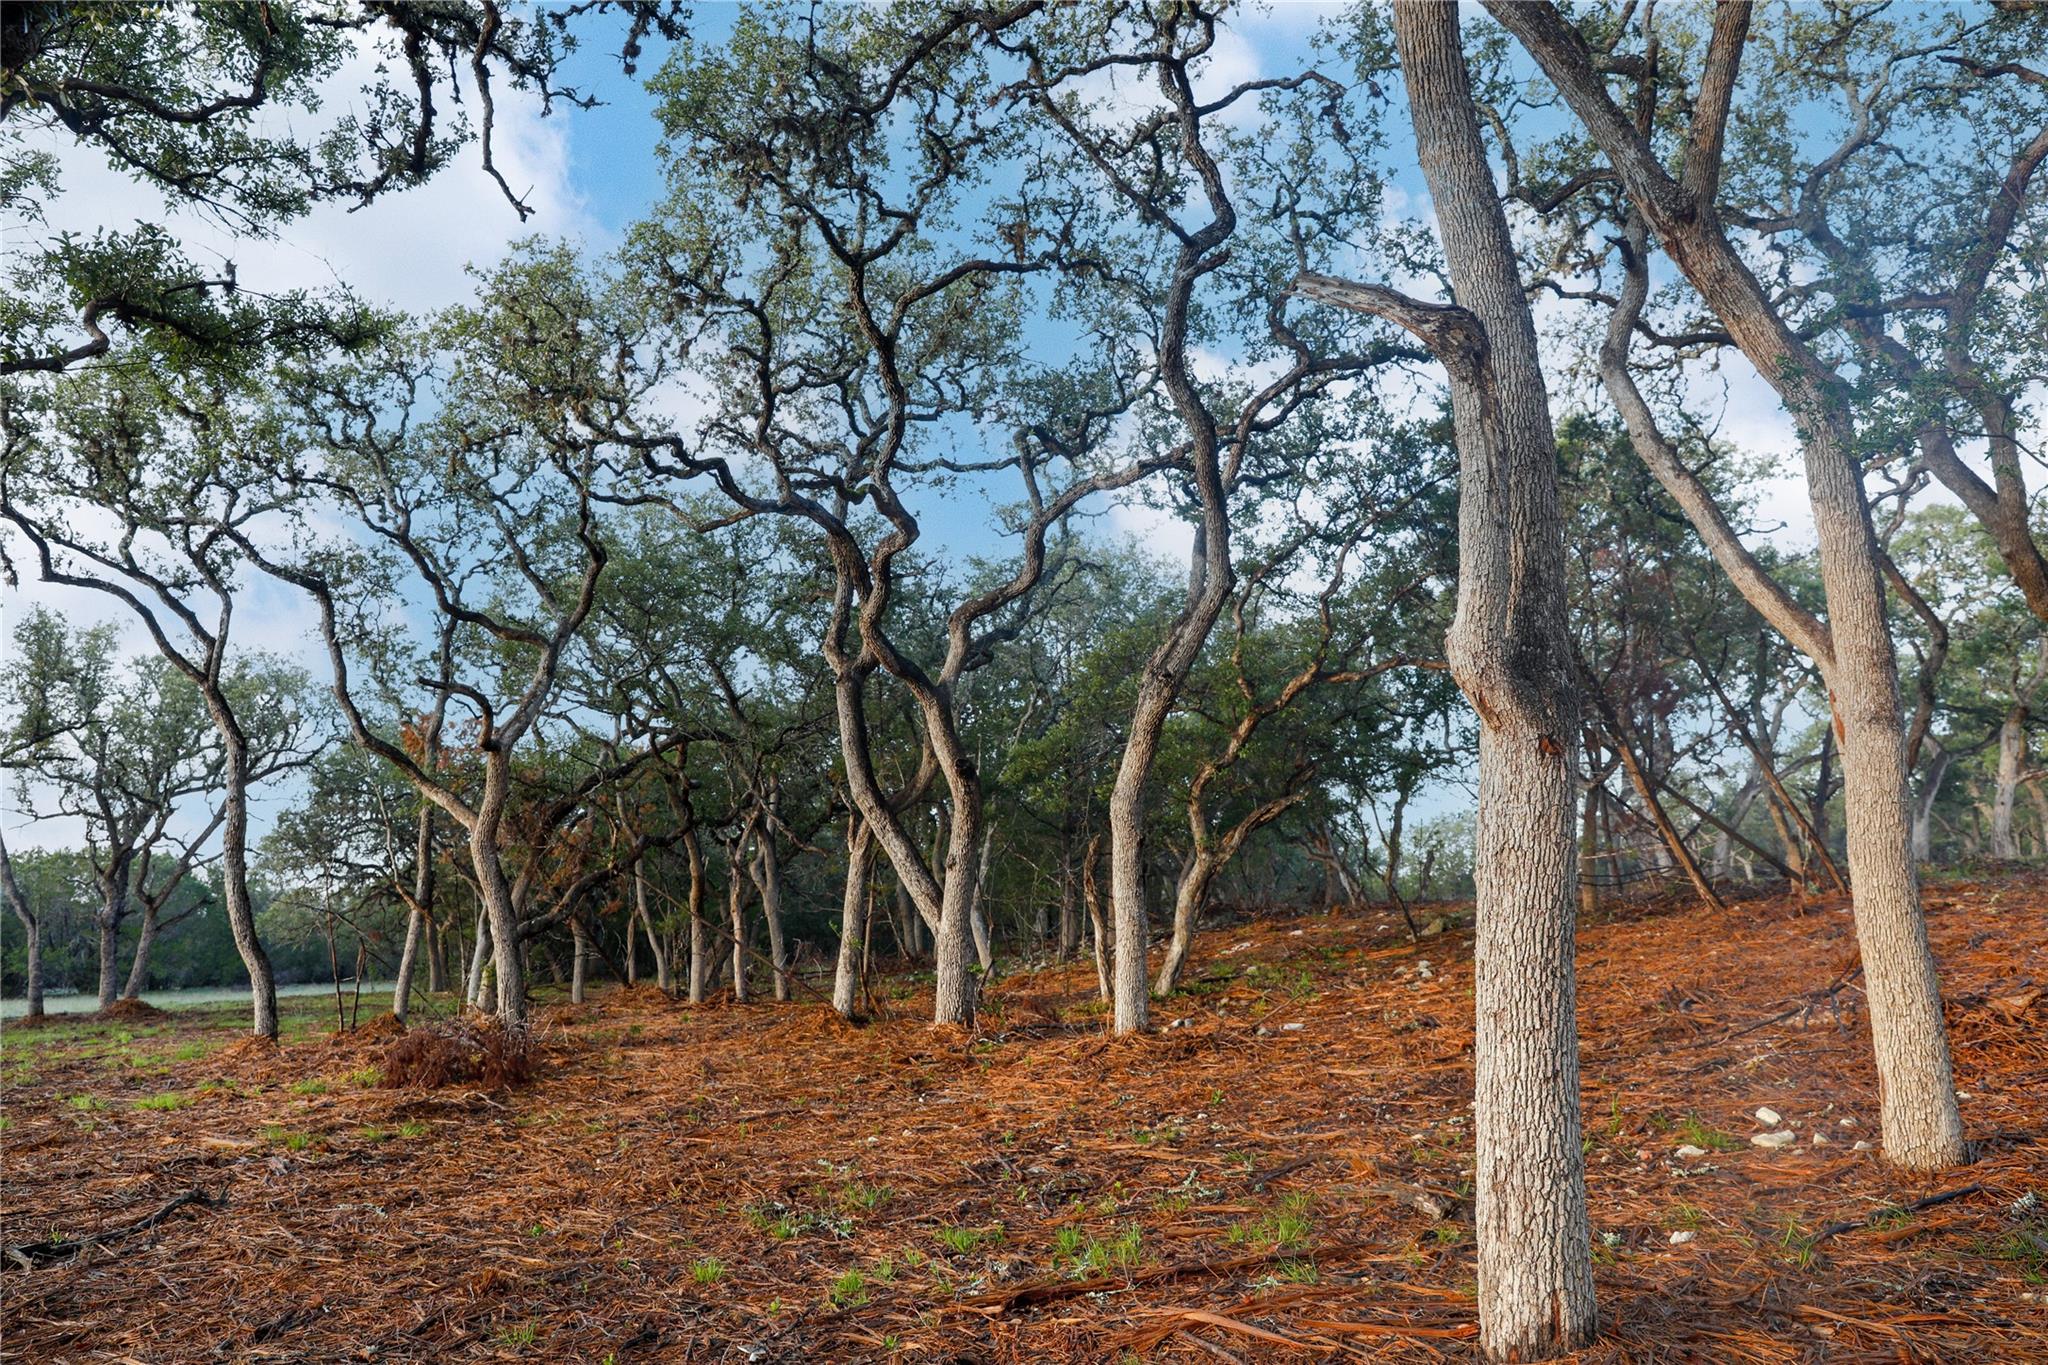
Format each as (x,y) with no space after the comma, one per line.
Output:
(130,1011)
(1280,1172)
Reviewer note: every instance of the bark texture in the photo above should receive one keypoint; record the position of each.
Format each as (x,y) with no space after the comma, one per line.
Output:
(1509,651)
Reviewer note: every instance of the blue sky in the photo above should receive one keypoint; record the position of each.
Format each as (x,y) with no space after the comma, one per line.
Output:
(589,174)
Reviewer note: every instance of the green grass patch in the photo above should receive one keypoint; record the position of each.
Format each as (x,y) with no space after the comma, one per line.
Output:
(169,1100)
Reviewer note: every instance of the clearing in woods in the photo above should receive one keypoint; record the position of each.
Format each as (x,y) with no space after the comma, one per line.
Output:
(1282,1171)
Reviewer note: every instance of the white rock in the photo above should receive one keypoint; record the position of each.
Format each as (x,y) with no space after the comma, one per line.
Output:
(1690,1152)
(1848,1123)
(1679,1239)
(1863,1147)
(1292,1028)
(1820,1140)
(1768,1117)
(1784,1137)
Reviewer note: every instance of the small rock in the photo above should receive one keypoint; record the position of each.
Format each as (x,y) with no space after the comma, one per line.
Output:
(1296,933)
(1862,1147)
(1820,1140)
(1784,1137)
(1292,1028)
(1690,1152)
(1768,1117)
(1848,1123)
(1424,973)
(1435,927)
(1679,1239)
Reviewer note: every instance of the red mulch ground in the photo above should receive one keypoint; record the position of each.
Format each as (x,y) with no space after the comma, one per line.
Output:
(764,1183)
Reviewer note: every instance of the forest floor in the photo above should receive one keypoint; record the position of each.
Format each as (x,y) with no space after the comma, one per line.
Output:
(1280,1173)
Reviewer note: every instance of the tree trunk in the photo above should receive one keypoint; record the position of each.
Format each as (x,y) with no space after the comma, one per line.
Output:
(1823,789)
(579,966)
(1209,586)
(860,862)
(1189,896)
(496,894)
(417,923)
(145,945)
(438,935)
(408,962)
(32,931)
(736,917)
(767,873)
(2012,762)
(984,949)
(633,940)
(1509,651)
(1098,926)
(1589,853)
(234,872)
(480,948)
(1922,1125)
(1923,805)
(1070,906)
(113,909)
(700,928)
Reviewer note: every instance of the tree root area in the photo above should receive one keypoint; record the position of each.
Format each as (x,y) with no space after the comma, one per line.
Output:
(1281,1171)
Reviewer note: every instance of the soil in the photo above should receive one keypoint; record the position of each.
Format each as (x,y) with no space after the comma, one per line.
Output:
(1281,1172)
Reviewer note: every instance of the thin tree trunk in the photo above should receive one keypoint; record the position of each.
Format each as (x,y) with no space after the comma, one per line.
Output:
(1190,894)
(145,946)
(984,949)
(580,965)
(417,924)
(1823,789)
(32,931)
(234,873)
(853,929)
(473,980)
(1589,853)
(1674,842)
(1070,905)
(1098,926)
(1923,804)
(767,874)
(2012,761)
(736,917)
(700,935)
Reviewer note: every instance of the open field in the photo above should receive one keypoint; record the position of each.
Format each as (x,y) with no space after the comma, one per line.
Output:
(1281,1172)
